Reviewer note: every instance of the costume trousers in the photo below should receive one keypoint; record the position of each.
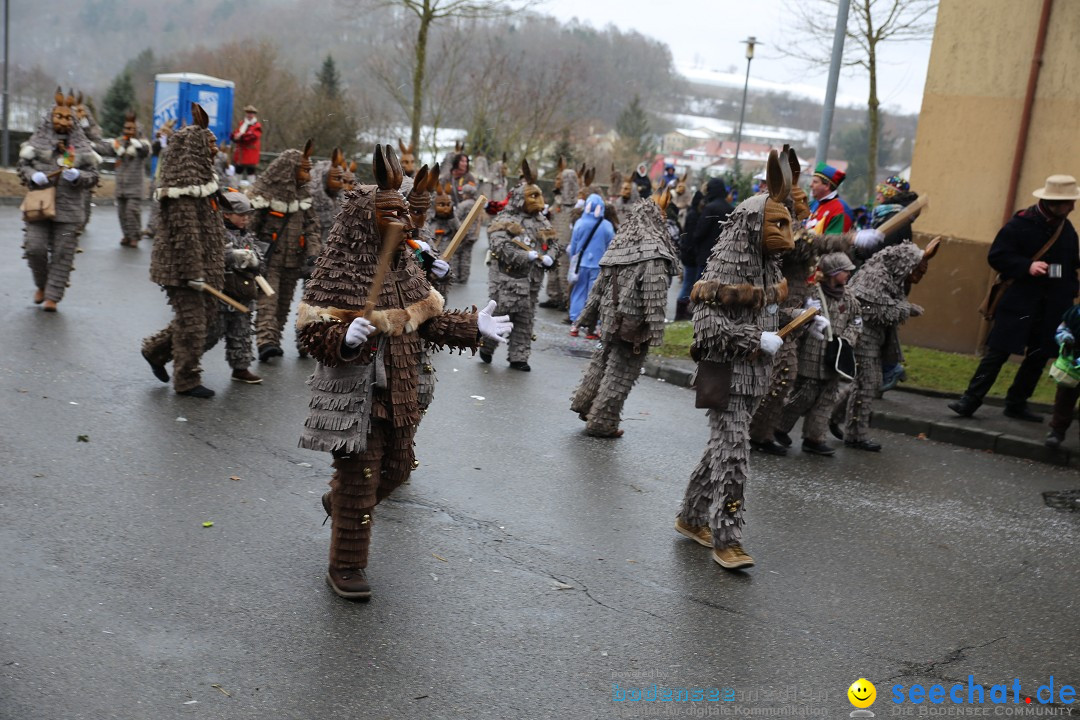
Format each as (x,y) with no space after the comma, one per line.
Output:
(714,496)
(193,331)
(558,284)
(579,293)
(864,389)
(50,252)
(612,372)
(129,209)
(1064,408)
(766,420)
(812,399)
(1023,385)
(521,336)
(273,312)
(236,327)
(360,482)
(461,262)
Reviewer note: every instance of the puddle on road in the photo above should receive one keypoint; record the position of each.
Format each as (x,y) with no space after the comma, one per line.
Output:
(1067,500)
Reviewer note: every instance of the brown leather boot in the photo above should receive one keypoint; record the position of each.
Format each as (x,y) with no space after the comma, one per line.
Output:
(49,306)
(349,584)
(246,376)
(39,296)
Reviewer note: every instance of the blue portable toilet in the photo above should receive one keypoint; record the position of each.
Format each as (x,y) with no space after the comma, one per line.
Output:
(174,93)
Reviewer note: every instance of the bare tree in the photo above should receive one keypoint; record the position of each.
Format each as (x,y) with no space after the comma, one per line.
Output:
(870,23)
(427,13)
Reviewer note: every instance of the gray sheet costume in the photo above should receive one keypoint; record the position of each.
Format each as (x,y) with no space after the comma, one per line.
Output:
(50,244)
(514,278)
(566,196)
(627,302)
(736,301)
(881,289)
(130,152)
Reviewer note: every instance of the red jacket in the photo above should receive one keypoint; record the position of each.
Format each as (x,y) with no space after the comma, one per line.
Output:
(247,145)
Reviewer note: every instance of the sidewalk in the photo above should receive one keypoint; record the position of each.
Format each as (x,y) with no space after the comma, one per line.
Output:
(923,413)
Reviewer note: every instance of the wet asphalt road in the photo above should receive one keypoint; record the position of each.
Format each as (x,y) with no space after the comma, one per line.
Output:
(524,570)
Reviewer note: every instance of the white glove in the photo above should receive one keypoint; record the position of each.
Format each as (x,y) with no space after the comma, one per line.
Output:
(547,261)
(579,204)
(163,140)
(424,247)
(771,342)
(818,327)
(812,302)
(40,178)
(533,255)
(84,123)
(358,332)
(71,174)
(868,239)
(230,171)
(245,258)
(496,327)
(916,310)
(439,268)
(571,277)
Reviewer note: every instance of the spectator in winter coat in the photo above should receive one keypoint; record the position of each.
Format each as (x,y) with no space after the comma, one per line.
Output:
(590,239)
(705,233)
(248,139)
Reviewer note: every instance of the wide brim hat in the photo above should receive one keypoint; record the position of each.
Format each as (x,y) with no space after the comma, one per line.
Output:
(251,109)
(1058,187)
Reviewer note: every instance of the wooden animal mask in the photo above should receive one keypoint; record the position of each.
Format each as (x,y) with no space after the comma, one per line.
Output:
(800,203)
(408,159)
(63,115)
(558,173)
(130,126)
(534,197)
(626,191)
(303,170)
(663,199)
(928,254)
(390,207)
(335,176)
(420,196)
(777,234)
(444,201)
(680,187)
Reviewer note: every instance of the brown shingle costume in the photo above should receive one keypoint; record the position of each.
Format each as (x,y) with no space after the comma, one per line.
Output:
(130,150)
(189,245)
(735,302)
(364,406)
(50,244)
(284,218)
(629,297)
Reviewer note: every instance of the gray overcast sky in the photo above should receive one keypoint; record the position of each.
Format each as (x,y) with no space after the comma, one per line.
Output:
(708,34)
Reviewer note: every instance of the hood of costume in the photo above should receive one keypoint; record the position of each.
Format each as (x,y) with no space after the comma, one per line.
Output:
(276,186)
(570,185)
(642,236)
(42,145)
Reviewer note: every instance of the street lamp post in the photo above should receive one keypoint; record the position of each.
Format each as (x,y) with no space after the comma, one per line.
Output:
(750,42)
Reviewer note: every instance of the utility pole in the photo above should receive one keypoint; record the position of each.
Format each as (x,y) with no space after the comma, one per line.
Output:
(750,42)
(834,78)
(5,140)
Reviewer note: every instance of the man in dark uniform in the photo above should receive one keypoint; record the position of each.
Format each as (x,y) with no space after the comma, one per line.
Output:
(1031,307)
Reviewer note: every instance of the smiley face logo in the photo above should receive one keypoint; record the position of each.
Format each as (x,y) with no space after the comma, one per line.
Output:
(862,693)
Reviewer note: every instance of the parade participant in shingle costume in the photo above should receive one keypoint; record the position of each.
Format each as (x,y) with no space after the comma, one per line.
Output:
(58,158)
(881,286)
(817,385)
(567,183)
(284,219)
(330,180)
(189,247)
(243,258)
(736,317)
(130,150)
(442,222)
(364,407)
(523,244)
(627,302)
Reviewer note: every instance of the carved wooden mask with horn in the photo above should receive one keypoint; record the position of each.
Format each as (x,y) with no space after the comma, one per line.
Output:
(130,127)
(202,120)
(928,254)
(420,196)
(335,175)
(777,233)
(663,199)
(800,203)
(558,174)
(444,201)
(408,158)
(534,197)
(63,117)
(390,207)
(303,170)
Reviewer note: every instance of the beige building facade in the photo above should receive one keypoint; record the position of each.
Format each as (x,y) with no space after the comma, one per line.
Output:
(969,139)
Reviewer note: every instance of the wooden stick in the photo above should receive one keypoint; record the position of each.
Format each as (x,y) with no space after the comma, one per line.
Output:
(386,256)
(264,286)
(798,322)
(905,216)
(218,294)
(459,237)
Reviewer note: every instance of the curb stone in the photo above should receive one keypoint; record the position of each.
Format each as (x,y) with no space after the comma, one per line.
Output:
(937,430)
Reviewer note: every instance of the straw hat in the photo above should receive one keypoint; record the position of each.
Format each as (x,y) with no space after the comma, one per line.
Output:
(251,109)
(1059,187)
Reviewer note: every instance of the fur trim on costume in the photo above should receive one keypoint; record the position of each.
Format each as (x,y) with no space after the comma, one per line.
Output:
(511,227)
(27,152)
(394,322)
(258,203)
(713,292)
(189,191)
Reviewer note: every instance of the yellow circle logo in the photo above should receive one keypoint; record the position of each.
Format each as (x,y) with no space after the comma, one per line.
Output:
(862,693)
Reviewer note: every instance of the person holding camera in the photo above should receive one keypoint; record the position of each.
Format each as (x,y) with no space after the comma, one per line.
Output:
(1037,256)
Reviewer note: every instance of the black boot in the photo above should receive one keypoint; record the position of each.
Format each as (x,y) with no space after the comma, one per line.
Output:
(682,310)
(965,406)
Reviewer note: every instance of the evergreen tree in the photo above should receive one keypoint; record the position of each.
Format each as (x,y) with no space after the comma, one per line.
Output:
(635,138)
(328,80)
(119,98)
(564,149)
